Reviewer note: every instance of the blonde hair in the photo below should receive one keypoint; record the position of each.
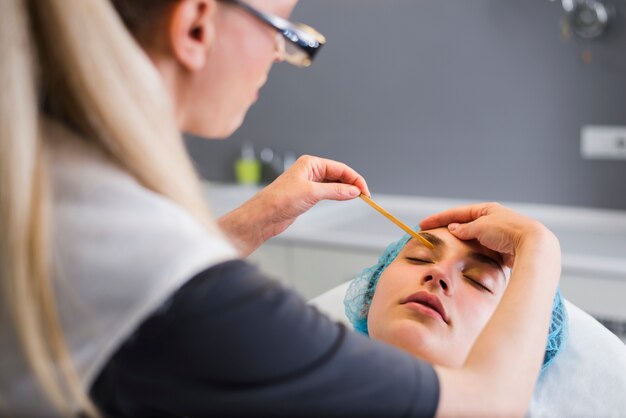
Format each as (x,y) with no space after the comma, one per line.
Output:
(79,60)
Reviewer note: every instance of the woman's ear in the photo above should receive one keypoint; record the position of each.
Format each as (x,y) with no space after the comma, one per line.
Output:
(192,31)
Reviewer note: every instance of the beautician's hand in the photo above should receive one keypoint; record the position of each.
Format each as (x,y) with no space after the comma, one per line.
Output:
(308,181)
(495,227)
(513,341)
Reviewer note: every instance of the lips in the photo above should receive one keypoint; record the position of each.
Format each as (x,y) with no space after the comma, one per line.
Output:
(428,300)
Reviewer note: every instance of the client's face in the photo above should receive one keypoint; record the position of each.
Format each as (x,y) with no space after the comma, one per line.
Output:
(434,303)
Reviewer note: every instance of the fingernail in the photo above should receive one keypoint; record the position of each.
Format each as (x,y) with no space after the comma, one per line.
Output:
(452,227)
(354,191)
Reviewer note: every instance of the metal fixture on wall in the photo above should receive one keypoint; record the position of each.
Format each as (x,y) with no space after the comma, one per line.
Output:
(588,19)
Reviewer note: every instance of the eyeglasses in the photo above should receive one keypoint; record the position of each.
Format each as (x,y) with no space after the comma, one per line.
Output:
(297,43)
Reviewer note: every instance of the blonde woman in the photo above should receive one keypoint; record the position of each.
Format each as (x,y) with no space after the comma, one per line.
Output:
(121,296)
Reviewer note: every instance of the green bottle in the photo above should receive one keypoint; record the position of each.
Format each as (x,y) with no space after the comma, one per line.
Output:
(247,167)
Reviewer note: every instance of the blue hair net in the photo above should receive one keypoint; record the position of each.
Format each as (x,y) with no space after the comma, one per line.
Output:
(361,291)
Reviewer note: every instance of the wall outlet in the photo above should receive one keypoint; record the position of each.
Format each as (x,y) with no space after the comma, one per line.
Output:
(603,142)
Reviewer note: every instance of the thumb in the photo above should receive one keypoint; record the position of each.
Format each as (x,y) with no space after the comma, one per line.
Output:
(336,191)
(463,231)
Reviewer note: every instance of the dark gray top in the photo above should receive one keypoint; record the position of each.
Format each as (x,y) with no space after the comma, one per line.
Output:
(232,342)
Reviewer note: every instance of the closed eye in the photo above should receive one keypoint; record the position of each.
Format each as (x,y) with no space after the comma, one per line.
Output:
(419,260)
(478,284)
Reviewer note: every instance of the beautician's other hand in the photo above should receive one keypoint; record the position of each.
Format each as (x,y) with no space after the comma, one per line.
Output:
(496,227)
(308,181)
(514,339)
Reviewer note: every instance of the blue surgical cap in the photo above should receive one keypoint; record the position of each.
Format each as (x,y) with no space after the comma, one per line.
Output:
(361,291)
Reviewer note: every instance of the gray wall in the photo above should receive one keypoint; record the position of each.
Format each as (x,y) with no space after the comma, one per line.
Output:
(478,99)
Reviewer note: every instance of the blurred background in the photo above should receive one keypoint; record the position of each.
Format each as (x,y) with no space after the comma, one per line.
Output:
(436,102)
(467,99)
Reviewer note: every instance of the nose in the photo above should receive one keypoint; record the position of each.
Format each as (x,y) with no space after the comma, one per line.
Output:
(437,278)
(279,48)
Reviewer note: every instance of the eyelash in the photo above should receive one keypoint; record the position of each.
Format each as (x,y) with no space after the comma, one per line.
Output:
(419,260)
(474,282)
(478,284)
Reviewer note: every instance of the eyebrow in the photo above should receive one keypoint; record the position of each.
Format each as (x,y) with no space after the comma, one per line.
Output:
(433,239)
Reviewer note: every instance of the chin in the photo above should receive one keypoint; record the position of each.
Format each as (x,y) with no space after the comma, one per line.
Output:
(419,340)
(210,130)
(231,127)
(411,336)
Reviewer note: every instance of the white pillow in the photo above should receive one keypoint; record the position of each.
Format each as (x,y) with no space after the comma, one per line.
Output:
(587,379)
(331,303)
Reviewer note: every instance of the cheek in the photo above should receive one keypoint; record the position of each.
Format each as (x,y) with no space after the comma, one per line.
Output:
(387,291)
(256,50)
(247,51)
(376,314)
(395,283)
(233,76)
(473,313)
